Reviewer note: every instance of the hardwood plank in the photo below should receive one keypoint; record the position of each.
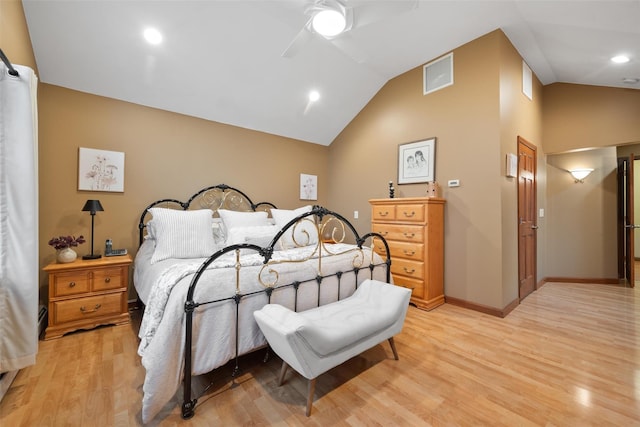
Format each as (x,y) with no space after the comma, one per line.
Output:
(568,355)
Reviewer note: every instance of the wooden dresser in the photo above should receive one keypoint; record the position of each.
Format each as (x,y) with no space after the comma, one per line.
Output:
(414,229)
(86,293)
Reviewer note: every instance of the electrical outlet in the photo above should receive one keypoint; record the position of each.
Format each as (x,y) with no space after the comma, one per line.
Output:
(355,214)
(454,183)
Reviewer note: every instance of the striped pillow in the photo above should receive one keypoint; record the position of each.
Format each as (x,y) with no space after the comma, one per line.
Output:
(182,234)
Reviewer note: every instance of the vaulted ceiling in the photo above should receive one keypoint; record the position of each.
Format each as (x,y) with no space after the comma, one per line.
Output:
(223,60)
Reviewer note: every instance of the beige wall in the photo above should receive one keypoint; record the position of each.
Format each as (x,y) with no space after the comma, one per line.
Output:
(583,215)
(476,122)
(166,155)
(577,116)
(14,35)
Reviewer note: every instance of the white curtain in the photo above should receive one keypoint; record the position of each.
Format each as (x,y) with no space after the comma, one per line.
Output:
(18,219)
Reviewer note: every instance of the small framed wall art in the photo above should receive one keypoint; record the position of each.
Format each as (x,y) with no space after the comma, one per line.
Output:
(308,187)
(100,170)
(416,161)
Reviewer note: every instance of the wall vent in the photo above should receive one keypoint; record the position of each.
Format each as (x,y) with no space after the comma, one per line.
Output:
(438,74)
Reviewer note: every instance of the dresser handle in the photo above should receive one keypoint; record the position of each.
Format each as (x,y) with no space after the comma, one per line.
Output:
(409,215)
(413,270)
(385,213)
(107,279)
(85,311)
(384,233)
(72,284)
(409,253)
(409,235)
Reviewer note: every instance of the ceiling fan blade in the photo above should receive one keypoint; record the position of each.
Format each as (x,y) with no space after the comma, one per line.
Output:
(299,41)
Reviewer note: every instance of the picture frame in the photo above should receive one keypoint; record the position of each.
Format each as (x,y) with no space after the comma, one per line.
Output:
(100,170)
(308,187)
(416,161)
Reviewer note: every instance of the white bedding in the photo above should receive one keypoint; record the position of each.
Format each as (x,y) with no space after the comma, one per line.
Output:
(163,287)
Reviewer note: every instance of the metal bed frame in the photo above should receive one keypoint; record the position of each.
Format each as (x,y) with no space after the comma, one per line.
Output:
(326,222)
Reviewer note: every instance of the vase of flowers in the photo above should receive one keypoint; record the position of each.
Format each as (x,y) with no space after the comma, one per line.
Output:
(64,245)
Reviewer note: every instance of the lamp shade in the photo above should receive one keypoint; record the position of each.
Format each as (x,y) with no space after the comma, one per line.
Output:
(92,206)
(580,174)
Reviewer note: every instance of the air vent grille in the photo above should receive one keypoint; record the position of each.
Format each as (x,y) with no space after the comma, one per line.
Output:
(438,74)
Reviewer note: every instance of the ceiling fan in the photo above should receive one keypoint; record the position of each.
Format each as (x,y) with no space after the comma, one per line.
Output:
(332,20)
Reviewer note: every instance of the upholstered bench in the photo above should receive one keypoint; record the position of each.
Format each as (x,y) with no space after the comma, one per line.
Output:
(314,341)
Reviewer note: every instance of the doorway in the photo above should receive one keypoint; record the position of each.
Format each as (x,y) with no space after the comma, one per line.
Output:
(627,222)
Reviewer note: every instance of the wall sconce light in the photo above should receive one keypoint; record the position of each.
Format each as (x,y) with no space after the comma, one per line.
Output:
(92,206)
(580,174)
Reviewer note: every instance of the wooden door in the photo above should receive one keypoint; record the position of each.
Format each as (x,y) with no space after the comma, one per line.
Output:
(626,220)
(527,225)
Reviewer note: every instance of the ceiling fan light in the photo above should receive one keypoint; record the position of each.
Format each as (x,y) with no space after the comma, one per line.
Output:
(329,22)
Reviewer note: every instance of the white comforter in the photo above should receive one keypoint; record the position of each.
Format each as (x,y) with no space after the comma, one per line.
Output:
(163,288)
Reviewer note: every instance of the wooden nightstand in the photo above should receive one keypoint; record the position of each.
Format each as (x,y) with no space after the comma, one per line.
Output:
(86,293)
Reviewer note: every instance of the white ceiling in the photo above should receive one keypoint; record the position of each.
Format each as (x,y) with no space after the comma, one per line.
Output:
(221,60)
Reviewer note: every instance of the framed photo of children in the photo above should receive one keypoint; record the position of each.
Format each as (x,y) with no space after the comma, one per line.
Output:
(416,161)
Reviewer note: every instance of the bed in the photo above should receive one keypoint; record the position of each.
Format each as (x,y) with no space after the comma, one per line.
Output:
(205,265)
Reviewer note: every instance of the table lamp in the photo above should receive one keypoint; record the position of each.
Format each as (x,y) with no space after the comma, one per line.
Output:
(92,206)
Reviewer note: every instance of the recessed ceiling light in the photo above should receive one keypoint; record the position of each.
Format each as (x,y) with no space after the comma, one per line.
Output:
(329,22)
(620,59)
(314,95)
(153,36)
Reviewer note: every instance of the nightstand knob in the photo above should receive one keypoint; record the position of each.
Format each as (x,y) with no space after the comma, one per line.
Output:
(107,279)
(72,284)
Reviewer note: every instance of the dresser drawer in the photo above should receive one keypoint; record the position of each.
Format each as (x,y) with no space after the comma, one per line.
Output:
(108,278)
(383,213)
(416,286)
(401,232)
(406,250)
(410,213)
(88,307)
(72,283)
(407,268)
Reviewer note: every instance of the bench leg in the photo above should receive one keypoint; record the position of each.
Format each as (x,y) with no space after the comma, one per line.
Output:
(283,372)
(312,390)
(393,348)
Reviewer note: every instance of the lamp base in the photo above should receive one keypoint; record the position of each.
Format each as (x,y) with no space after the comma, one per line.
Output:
(92,256)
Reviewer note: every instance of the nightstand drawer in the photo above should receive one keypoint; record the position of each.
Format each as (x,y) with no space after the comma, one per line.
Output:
(73,283)
(86,308)
(108,278)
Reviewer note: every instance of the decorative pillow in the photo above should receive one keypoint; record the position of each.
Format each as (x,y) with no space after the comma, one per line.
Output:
(305,231)
(260,235)
(182,234)
(232,219)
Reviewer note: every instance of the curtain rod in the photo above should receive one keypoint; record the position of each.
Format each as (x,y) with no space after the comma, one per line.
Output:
(6,61)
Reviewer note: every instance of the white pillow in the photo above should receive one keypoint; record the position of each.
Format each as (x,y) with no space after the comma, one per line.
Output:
(233,219)
(260,235)
(305,231)
(182,234)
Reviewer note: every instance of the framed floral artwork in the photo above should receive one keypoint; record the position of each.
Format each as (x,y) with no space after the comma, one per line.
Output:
(100,170)
(308,187)
(416,162)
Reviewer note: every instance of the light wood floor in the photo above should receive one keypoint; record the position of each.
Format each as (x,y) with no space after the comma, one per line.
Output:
(569,355)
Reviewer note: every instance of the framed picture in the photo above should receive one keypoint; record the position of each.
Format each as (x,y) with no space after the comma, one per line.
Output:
(416,161)
(100,170)
(308,187)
